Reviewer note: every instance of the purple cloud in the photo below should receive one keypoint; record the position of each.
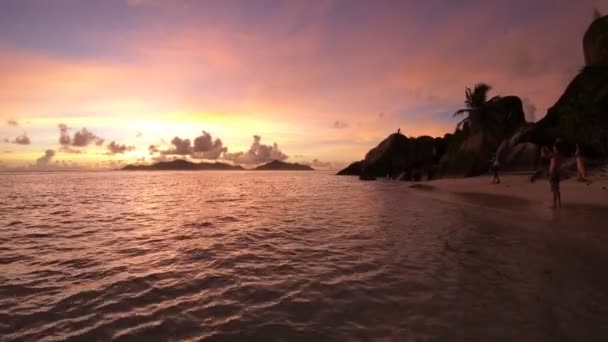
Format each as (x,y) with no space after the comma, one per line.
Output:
(116,148)
(258,153)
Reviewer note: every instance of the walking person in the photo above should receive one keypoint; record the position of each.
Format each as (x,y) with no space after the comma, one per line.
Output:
(555,162)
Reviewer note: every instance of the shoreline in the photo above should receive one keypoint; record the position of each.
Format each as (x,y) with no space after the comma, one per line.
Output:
(584,205)
(517,186)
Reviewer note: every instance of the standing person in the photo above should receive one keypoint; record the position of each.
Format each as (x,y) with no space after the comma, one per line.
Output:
(494,167)
(555,162)
(580,164)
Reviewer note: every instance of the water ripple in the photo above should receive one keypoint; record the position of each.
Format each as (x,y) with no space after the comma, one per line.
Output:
(280,256)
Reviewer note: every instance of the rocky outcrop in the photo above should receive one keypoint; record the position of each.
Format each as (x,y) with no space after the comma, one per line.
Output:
(388,158)
(595,43)
(470,157)
(353,169)
(580,116)
(399,157)
(514,155)
(469,152)
(508,114)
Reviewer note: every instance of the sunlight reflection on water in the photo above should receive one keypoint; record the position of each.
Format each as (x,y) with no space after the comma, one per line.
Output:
(275,256)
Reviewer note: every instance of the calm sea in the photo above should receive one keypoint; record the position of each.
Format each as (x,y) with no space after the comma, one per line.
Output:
(284,256)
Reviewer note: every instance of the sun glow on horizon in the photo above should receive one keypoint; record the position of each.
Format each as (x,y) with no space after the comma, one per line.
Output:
(302,75)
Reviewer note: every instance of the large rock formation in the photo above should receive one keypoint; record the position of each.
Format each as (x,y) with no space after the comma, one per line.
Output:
(469,151)
(509,114)
(470,157)
(580,116)
(399,156)
(515,155)
(354,169)
(595,43)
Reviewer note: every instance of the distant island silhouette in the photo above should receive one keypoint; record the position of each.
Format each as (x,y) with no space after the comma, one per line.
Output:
(180,164)
(184,165)
(283,166)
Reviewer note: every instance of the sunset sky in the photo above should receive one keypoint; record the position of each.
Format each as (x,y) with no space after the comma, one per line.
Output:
(97,84)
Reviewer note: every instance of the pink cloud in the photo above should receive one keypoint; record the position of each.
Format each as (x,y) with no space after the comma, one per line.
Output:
(310,64)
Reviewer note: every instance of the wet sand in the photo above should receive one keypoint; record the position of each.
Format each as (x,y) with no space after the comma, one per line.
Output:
(584,207)
(517,187)
(519,252)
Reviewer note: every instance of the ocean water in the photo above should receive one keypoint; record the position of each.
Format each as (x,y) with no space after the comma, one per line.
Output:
(286,256)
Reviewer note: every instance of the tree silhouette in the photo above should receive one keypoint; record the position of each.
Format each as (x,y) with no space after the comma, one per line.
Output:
(476,107)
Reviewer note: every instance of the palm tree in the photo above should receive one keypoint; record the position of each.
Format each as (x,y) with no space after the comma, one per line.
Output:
(476,102)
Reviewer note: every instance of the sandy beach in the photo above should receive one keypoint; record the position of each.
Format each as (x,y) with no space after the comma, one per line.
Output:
(516,200)
(517,186)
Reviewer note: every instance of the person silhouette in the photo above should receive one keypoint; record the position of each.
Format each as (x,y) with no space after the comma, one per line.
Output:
(555,162)
(580,164)
(398,130)
(495,166)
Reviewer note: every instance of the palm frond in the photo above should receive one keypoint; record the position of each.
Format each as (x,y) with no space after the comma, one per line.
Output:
(475,98)
(461,111)
(495,98)
(461,123)
(480,94)
(482,88)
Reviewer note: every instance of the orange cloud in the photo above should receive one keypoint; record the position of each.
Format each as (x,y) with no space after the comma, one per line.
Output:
(289,72)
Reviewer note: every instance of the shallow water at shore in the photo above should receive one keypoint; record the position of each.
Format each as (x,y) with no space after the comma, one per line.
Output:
(287,256)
